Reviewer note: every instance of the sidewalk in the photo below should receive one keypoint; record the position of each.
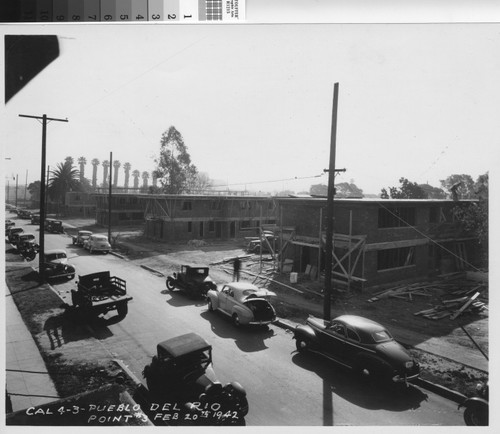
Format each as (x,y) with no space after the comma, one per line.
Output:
(27,380)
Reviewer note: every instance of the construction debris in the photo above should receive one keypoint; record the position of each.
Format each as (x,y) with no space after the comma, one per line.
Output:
(465,296)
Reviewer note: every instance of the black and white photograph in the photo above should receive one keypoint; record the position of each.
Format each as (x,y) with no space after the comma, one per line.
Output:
(259,225)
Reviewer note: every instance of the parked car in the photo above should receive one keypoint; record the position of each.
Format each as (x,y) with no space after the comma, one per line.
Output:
(25,240)
(194,280)
(35,219)
(181,372)
(56,264)
(359,344)
(244,302)
(13,234)
(8,224)
(477,407)
(54,226)
(97,243)
(24,214)
(80,237)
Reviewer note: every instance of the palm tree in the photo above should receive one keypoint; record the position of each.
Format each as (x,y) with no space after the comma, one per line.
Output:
(155,178)
(116,165)
(136,175)
(69,160)
(64,179)
(126,168)
(82,161)
(105,168)
(145,177)
(95,163)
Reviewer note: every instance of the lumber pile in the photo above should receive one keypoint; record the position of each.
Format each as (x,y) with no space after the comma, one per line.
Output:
(465,296)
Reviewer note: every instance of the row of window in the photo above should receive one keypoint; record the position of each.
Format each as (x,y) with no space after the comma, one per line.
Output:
(396,217)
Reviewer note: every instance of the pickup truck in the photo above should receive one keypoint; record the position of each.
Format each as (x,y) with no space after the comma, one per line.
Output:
(99,293)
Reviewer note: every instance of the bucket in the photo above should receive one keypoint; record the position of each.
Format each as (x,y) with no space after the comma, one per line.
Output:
(293,277)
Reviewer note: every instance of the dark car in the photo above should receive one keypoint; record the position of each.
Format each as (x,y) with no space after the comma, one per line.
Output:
(24,214)
(359,344)
(8,225)
(14,234)
(35,219)
(193,280)
(181,374)
(56,265)
(54,226)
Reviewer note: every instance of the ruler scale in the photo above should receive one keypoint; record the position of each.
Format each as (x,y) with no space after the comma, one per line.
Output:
(173,11)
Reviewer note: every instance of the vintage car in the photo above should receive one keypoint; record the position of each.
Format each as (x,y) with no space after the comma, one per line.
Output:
(8,224)
(56,265)
(35,219)
(97,243)
(13,234)
(195,281)
(26,240)
(181,374)
(54,226)
(23,214)
(359,344)
(244,302)
(80,237)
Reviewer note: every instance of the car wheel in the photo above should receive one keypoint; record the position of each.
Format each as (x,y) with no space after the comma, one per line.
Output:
(301,345)
(91,250)
(106,252)
(236,320)
(210,305)
(170,284)
(475,417)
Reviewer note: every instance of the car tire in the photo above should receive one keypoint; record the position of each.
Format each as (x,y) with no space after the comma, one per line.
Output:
(301,345)
(170,284)
(475,417)
(210,305)
(122,310)
(236,320)
(106,252)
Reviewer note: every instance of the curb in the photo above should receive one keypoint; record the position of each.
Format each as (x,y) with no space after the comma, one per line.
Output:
(117,255)
(425,384)
(152,270)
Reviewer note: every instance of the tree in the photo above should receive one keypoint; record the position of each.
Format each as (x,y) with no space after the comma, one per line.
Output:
(105,169)
(95,163)
(116,166)
(346,189)
(407,190)
(82,161)
(199,182)
(474,215)
(126,168)
(34,190)
(64,179)
(173,167)
(384,194)
(318,190)
(464,186)
(433,192)
(136,175)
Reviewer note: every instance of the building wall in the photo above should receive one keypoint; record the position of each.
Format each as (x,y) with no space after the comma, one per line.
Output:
(393,250)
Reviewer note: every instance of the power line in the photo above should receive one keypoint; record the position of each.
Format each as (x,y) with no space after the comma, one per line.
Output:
(275,180)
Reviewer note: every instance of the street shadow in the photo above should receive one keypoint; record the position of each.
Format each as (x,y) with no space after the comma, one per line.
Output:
(356,389)
(248,339)
(64,328)
(179,298)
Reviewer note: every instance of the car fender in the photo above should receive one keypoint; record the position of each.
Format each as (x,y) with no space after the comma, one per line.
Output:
(474,402)
(244,314)
(374,363)
(305,332)
(214,298)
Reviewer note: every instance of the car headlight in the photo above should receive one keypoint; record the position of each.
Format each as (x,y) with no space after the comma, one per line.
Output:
(409,365)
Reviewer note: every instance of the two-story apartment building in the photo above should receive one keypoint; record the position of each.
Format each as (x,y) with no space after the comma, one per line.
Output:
(187,217)
(376,241)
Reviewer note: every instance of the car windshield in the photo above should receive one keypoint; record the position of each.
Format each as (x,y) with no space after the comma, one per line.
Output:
(381,336)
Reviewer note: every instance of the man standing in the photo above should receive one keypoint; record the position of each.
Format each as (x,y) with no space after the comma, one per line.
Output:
(236,269)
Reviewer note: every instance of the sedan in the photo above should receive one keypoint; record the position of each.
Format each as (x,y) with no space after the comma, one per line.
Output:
(359,344)
(244,302)
(56,265)
(97,243)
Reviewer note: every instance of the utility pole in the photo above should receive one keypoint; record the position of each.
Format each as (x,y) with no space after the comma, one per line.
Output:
(16,191)
(329,211)
(109,199)
(41,253)
(25,187)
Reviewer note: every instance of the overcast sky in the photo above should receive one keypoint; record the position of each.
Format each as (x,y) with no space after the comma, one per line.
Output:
(254,102)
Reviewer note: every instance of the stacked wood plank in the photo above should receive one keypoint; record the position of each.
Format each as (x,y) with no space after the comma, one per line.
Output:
(463,296)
